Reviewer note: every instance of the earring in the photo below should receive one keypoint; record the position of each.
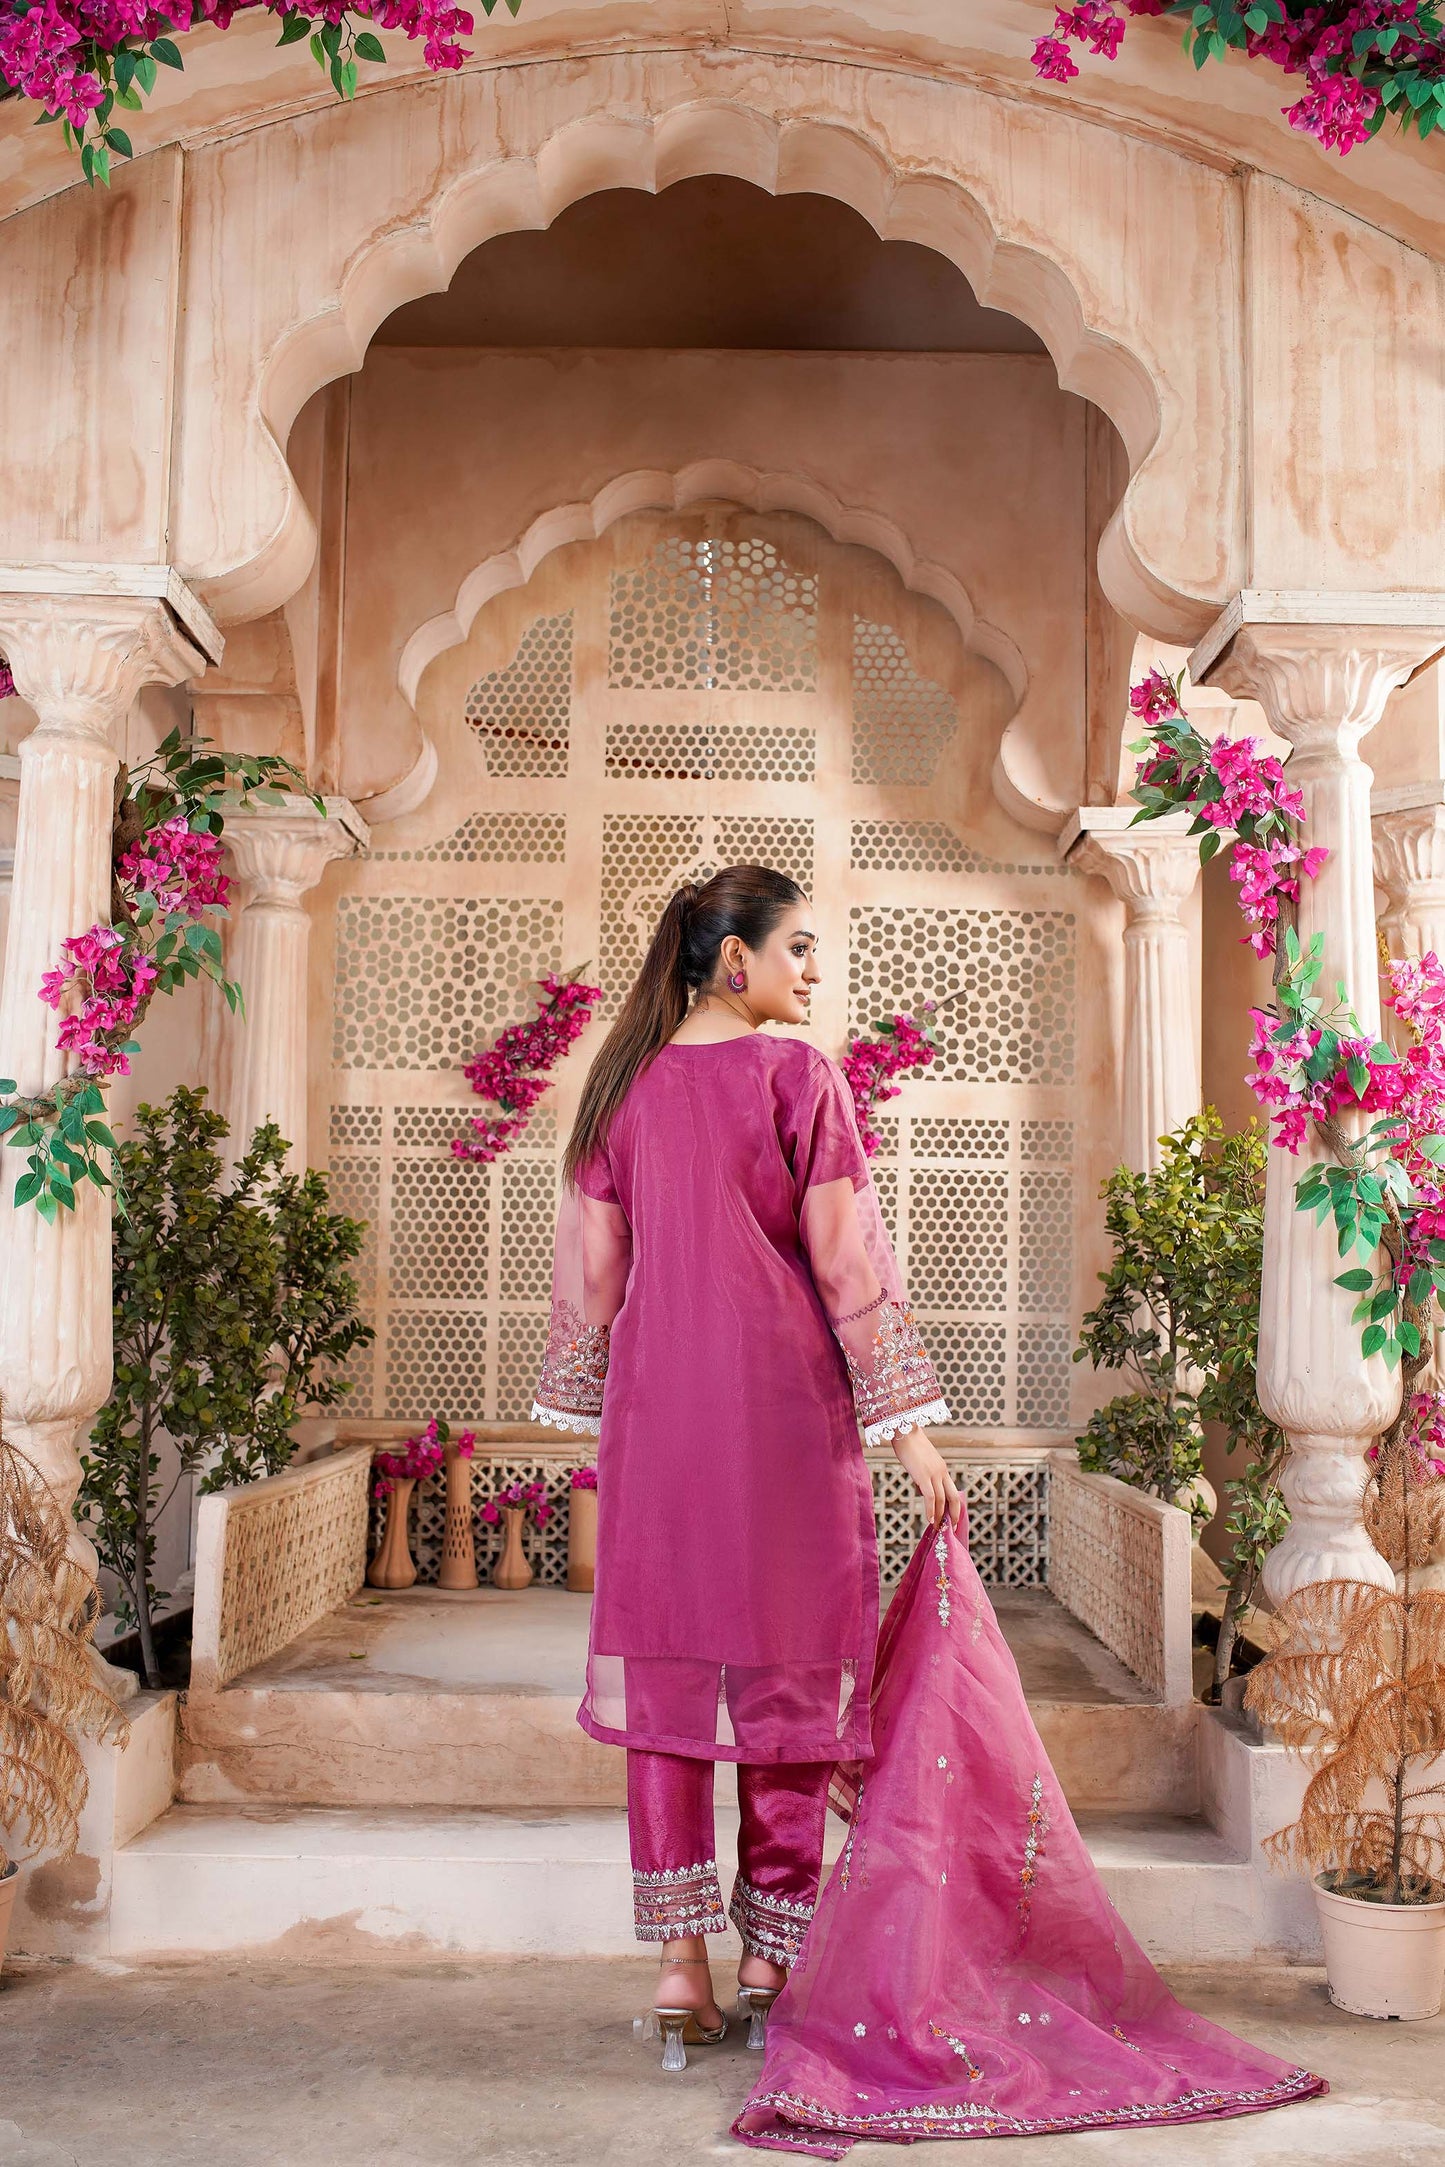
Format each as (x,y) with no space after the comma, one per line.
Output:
(739,981)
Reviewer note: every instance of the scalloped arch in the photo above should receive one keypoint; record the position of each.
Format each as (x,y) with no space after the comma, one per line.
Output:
(704,480)
(633,127)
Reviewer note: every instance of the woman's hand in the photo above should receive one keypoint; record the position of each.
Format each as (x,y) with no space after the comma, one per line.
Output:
(916,1452)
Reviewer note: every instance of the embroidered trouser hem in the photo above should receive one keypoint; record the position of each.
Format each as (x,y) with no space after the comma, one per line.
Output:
(672,1901)
(783,1809)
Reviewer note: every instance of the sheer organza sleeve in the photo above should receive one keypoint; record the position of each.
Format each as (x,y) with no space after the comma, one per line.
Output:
(895,1387)
(590,1263)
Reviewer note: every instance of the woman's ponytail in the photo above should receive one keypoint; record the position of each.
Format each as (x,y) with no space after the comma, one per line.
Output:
(744,899)
(651,1013)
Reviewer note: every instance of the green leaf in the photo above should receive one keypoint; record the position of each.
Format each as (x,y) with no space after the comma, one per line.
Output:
(293,28)
(1357,1280)
(118,140)
(1432,1148)
(1372,1339)
(1386,1302)
(145,72)
(168,55)
(27,1187)
(369,47)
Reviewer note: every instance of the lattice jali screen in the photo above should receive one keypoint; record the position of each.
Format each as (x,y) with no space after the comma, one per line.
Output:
(421,981)
(1008,1513)
(706,614)
(1004,981)
(522,715)
(687,692)
(981,1210)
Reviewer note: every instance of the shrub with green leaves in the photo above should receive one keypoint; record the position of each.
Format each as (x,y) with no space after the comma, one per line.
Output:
(234,1307)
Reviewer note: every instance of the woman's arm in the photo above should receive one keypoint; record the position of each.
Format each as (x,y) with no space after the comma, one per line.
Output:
(591,1261)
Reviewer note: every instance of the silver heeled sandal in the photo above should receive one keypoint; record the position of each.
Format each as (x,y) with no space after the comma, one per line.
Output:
(678,2028)
(754,2002)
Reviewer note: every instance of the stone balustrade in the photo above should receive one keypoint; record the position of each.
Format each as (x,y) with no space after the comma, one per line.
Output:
(274,1556)
(1120,1561)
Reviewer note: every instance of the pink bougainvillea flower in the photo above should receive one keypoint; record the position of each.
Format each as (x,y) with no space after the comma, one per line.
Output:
(512,1071)
(1053,61)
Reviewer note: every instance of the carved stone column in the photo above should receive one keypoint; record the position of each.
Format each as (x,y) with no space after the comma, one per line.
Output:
(1153,870)
(279,852)
(1409,828)
(1323,667)
(79,659)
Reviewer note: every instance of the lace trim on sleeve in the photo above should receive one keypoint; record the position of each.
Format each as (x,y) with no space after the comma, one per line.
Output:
(574,1370)
(896,1389)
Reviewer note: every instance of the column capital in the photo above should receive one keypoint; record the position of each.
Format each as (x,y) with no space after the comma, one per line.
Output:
(1409,841)
(1322,665)
(80,657)
(1151,867)
(282,850)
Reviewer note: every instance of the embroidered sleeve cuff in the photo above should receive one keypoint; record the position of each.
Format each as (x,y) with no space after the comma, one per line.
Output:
(574,1371)
(895,1386)
(917,1418)
(557,1418)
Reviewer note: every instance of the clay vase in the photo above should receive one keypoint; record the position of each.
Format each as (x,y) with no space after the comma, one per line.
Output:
(8,1881)
(393,1565)
(512,1569)
(459,1557)
(582,1541)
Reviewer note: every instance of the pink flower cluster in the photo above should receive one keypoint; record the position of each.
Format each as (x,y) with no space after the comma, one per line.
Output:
(1230,786)
(870,1064)
(419,1458)
(49,51)
(512,1072)
(519,1497)
(1427,1437)
(7,682)
(179,867)
(1410,1089)
(584,1478)
(113,979)
(1337,106)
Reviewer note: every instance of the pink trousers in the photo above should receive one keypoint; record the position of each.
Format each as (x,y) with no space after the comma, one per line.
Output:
(783,1807)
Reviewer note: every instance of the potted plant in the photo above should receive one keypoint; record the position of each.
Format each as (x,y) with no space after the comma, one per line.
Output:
(513,1568)
(582,1531)
(396,1475)
(48,1690)
(1356,1684)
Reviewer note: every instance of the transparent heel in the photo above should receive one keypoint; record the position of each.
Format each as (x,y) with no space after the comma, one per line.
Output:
(754,2002)
(674,2031)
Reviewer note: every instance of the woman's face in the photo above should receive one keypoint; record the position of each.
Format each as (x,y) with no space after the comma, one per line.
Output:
(783,971)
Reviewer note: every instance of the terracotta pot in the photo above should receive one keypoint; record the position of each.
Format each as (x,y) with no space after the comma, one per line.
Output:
(582,1541)
(1383,1960)
(393,1565)
(459,1556)
(8,1881)
(512,1569)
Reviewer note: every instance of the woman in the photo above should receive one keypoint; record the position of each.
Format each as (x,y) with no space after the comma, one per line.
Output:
(722,1268)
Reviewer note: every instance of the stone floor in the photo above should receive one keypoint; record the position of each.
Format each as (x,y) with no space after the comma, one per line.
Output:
(534,2065)
(535,1642)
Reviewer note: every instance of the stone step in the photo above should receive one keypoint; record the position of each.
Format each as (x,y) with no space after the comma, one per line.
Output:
(439,1701)
(317,1885)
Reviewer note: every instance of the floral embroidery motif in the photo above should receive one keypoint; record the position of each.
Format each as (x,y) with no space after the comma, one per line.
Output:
(574,1370)
(974,2072)
(897,1391)
(940,1551)
(1038,1829)
(678,1900)
(769,1925)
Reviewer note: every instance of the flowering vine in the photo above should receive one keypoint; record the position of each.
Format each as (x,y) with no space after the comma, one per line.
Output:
(1383,1189)
(584,1478)
(902,1045)
(166,880)
(512,1073)
(1360,60)
(419,1457)
(81,59)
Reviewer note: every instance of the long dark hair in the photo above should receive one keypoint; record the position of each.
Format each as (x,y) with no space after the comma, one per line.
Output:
(747,900)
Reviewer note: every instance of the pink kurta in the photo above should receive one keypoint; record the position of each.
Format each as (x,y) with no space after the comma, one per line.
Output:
(724,1274)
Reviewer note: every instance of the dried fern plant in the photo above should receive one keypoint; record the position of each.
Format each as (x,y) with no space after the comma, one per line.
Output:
(1356,1684)
(48,1692)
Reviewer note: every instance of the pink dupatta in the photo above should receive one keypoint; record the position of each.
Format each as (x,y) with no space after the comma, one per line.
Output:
(965,1975)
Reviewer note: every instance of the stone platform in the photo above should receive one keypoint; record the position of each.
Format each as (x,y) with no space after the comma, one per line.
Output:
(425,1698)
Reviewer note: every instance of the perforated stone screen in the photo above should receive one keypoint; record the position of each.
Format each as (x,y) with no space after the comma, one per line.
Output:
(687,693)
